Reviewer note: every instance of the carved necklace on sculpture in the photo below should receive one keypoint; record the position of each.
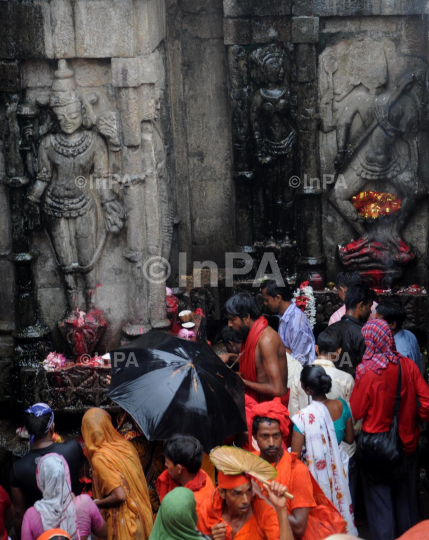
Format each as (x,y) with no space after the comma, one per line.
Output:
(273,98)
(65,148)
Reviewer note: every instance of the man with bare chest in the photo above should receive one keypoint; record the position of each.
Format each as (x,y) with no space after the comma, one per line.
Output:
(263,363)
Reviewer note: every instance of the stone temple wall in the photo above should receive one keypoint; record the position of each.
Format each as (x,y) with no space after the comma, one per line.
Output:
(214,122)
(340,89)
(116,64)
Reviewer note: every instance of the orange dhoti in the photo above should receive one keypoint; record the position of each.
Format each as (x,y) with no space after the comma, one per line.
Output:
(324,519)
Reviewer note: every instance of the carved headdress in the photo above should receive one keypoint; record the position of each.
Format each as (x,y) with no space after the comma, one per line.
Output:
(261,56)
(64,86)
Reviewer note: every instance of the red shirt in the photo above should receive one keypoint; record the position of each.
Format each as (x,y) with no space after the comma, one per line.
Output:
(5,504)
(373,399)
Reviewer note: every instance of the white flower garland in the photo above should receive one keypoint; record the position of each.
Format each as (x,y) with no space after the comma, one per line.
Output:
(305,292)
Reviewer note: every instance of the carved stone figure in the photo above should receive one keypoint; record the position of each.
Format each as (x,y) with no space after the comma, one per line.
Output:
(272,111)
(377,184)
(72,201)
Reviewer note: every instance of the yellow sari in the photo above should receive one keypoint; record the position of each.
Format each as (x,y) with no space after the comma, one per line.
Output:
(115,463)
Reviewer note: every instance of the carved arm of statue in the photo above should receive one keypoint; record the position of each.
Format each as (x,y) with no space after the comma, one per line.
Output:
(34,197)
(256,128)
(343,126)
(113,208)
(327,123)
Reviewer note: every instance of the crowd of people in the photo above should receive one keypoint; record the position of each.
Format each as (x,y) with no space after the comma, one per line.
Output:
(327,417)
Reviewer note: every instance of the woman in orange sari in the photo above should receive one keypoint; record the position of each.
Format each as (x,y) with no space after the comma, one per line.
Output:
(118,480)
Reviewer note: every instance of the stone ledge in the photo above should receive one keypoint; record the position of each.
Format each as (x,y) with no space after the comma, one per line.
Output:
(256,8)
(359,8)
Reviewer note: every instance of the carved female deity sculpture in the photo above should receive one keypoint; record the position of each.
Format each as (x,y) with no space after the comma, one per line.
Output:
(380,155)
(66,192)
(272,111)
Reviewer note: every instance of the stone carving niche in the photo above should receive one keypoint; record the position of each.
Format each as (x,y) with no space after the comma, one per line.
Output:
(86,205)
(372,104)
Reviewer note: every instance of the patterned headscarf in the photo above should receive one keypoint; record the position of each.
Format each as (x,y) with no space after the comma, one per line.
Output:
(380,348)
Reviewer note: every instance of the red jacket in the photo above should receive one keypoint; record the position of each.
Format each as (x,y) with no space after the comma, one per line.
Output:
(373,399)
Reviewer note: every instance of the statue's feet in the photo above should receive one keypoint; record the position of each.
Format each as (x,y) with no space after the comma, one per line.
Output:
(286,243)
(270,243)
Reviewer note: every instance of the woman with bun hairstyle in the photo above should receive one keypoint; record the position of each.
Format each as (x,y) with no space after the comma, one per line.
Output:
(318,431)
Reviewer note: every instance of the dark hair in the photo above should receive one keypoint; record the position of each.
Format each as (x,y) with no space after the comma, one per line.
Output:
(185,450)
(258,420)
(316,378)
(347,279)
(329,340)
(392,311)
(36,425)
(357,294)
(241,305)
(273,289)
(228,334)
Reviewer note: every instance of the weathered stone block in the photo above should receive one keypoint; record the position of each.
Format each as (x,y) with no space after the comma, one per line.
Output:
(150,25)
(362,24)
(269,30)
(9,76)
(358,7)
(25,30)
(256,8)
(125,72)
(306,62)
(237,60)
(147,101)
(194,6)
(305,29)
(236,31)
(104,28)
(129,108)
(62,29)
(36,74)
(202,27)
(132,72)
(92,73)
(413,36)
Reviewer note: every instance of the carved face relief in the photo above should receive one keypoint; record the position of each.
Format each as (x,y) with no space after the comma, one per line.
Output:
(69,117)
(274,70)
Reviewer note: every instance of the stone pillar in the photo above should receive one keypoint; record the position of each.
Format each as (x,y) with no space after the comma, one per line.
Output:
(305,35)
(139,81)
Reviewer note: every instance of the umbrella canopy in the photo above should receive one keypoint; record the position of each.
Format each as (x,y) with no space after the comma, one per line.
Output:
(175,386)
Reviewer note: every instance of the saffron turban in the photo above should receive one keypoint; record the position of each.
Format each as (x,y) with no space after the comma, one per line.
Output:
(274,410)
(227,481)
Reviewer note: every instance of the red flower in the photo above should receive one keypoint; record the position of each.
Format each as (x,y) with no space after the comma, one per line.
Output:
(304,284)
(199,311)
(85,480)
(311,418)
(321,464)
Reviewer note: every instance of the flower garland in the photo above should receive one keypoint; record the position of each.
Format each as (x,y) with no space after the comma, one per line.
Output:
(304,299)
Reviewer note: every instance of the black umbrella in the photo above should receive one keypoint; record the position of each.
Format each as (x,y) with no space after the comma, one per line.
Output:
(171,385)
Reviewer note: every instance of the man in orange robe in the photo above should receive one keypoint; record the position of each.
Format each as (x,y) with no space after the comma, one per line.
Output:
(183,458)
(236,512)
(311,515)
